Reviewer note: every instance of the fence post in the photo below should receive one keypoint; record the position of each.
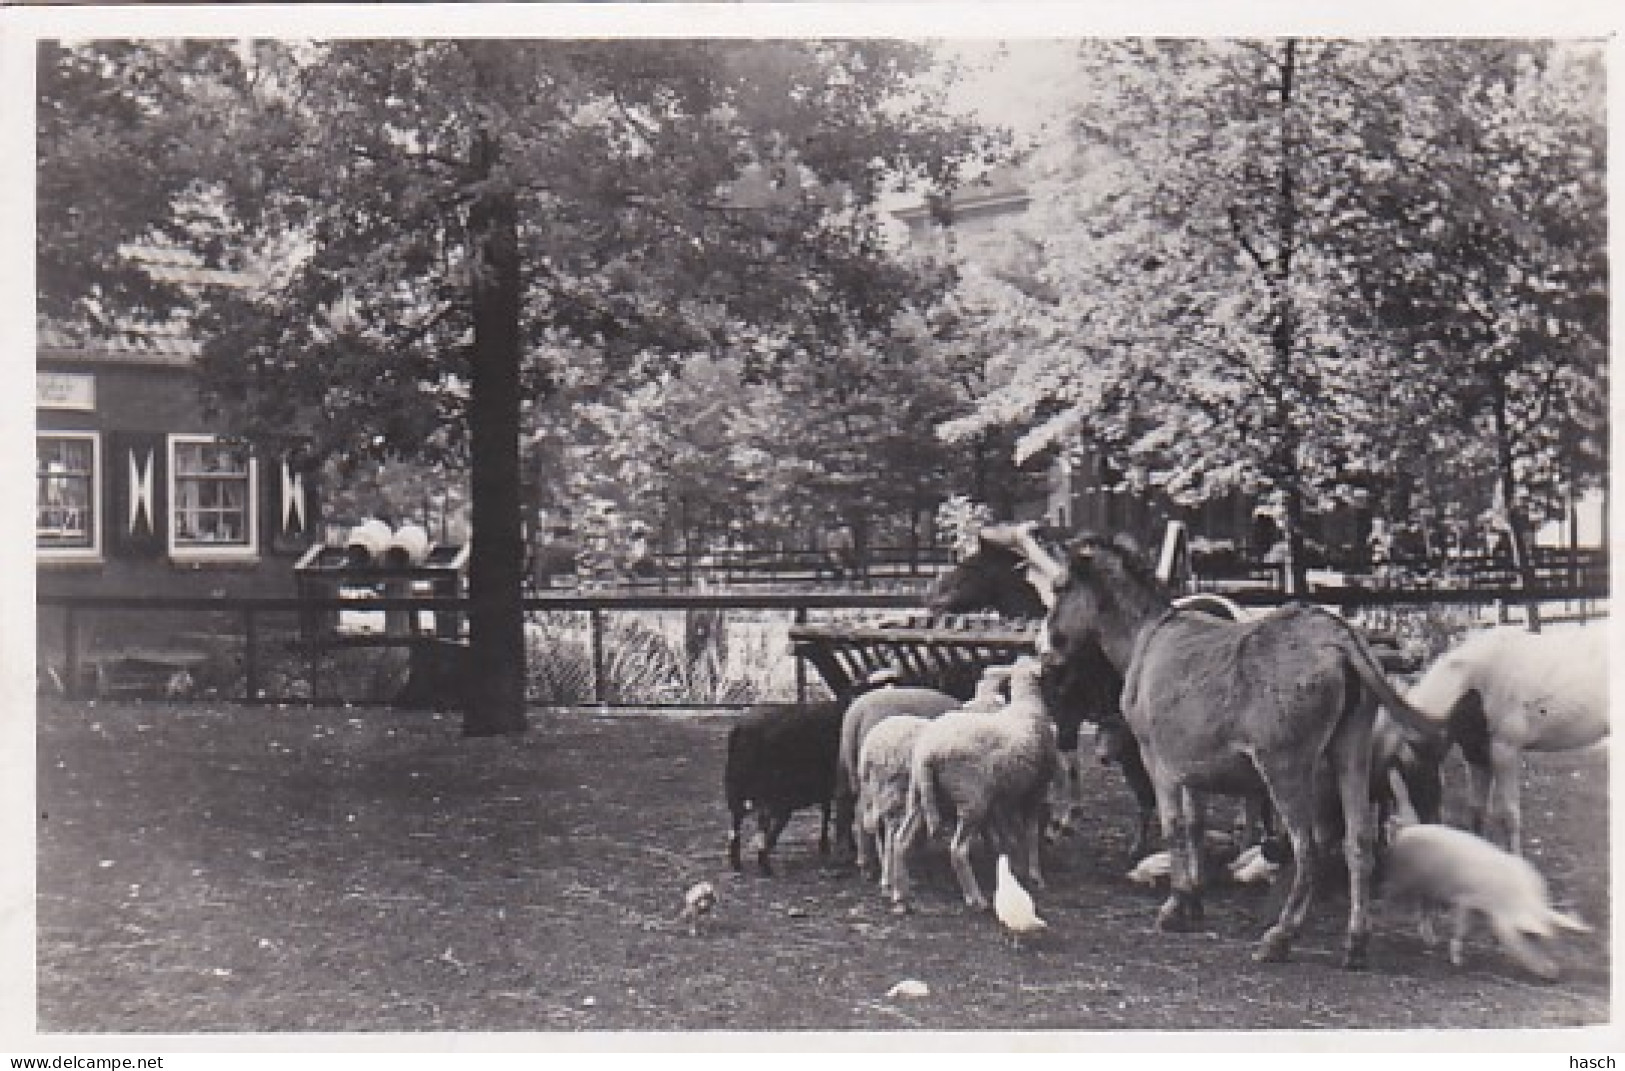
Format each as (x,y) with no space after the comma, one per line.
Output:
(799,617)
(70,640)
(597,639)
(251,669)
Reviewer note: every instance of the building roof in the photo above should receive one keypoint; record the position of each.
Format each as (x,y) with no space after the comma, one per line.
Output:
(169,342)
(996,192)
(160,344)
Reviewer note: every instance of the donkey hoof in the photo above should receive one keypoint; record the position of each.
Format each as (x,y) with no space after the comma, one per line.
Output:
(1274,948)
(901,907)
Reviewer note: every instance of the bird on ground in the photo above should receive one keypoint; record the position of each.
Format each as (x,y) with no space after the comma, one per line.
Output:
(1013,905)
(697,904)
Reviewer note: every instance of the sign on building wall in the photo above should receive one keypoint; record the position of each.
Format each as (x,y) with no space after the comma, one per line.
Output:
(65,390)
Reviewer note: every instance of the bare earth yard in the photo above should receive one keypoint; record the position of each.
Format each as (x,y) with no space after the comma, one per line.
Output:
(205,868)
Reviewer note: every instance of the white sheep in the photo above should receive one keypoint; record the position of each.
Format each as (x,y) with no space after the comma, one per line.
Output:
(862,715)
(992,771)
(1505,691)
(883,780)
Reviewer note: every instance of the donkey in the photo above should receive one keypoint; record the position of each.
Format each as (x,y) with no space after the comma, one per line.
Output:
(1234,708)
(1006,575)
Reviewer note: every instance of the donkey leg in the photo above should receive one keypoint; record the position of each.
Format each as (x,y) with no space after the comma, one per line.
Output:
(1182,908)
(1350,764)
(1293,794)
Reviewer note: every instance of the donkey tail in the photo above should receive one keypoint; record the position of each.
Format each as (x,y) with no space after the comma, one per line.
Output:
(1371,674)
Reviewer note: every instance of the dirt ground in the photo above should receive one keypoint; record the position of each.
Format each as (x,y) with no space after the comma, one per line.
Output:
(207,868)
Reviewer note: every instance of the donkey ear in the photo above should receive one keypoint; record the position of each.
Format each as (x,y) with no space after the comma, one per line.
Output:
(1043,583)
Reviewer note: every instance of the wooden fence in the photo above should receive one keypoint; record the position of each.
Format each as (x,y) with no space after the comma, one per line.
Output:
(269,642)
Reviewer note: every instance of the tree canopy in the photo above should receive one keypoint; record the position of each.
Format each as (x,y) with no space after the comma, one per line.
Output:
(439,229)
(1263,265)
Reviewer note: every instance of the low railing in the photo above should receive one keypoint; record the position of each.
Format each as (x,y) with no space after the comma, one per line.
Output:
(583,649)
(877,568)
(264,641)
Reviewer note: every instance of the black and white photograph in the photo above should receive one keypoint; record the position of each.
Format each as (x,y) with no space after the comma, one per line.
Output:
(696,522)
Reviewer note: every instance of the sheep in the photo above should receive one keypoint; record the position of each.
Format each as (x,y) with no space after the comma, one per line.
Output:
(883,781)
(781,758)
(864,713)
(993,771)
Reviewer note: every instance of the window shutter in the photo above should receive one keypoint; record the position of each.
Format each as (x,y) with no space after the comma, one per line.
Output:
(291,521)
(138,476)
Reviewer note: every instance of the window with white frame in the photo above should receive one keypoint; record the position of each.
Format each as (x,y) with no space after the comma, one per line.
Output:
(67,468)
(212,491)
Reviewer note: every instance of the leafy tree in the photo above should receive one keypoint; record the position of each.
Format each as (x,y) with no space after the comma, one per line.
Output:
(453,218)
(1476,244)
(1232,236)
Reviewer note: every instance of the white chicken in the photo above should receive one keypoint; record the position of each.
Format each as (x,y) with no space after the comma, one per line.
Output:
(1013,905)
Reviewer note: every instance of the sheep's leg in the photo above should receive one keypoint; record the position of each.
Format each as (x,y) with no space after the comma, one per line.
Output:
(959,853)
(1034,836)
(913,825)
(886,838)
(823,828)
(773,822)
(866,843)
(733,840)
(846,808)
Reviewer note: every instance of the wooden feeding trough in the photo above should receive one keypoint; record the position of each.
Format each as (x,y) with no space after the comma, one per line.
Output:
(948,652)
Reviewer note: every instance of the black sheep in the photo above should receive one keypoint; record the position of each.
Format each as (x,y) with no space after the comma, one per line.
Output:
(781,758)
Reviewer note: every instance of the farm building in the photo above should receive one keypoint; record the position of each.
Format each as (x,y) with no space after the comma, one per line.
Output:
(139,492)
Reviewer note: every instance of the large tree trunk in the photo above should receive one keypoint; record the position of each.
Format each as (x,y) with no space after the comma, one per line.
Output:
(495,691)
(1282,336)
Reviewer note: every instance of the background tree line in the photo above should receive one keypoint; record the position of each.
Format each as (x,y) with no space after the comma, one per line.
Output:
(658,273)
